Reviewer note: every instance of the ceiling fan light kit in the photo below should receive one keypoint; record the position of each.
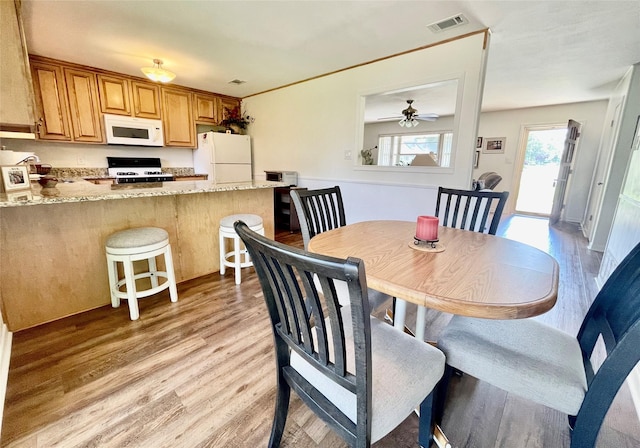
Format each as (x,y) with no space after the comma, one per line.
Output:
(157,73)
(409,119)
(408,122)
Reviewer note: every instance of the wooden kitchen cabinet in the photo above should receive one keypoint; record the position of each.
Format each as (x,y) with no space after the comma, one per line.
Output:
(227,103)
(206,108)
(117,94)
(52,116)
(84,106)
(114,95)
(71,100)
(146,100)
(177,120)
(16,89)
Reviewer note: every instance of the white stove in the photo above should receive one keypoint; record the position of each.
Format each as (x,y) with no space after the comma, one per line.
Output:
(128,170)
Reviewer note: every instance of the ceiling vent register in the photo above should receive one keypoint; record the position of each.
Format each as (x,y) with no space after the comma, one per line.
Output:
(451,22)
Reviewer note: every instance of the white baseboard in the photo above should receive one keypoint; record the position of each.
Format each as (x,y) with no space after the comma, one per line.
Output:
(5,358)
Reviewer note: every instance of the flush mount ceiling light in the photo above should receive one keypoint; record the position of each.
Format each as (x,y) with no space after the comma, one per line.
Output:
(157,73)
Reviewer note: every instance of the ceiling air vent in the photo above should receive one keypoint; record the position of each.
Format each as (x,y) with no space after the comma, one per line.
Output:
(451,22)
(237,82)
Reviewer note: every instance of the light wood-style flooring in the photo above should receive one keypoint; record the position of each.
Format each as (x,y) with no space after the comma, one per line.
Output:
(200,372)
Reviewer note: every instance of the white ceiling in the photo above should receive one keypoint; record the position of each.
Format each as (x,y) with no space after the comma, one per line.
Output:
(541,53)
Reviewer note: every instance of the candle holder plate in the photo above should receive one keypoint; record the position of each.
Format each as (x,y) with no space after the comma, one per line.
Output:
(427,245)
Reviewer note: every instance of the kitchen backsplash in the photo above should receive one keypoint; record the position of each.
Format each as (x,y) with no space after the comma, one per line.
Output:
(78,156)
(66,173)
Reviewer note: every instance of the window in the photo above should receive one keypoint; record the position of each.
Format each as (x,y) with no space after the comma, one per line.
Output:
(432,149)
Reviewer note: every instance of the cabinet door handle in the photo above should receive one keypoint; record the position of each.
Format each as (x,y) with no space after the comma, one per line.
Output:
(39,126)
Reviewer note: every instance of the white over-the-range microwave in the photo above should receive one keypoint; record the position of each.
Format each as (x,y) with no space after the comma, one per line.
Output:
(123,130)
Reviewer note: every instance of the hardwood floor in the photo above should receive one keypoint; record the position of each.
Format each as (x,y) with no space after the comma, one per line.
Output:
(200,372)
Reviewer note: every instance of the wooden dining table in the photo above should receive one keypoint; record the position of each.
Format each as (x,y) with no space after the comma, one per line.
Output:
(477,274)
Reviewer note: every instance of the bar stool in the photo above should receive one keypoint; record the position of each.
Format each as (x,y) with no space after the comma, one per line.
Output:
(238,253)
(127,246)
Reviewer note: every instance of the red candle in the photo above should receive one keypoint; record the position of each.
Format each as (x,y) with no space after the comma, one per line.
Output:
(427,228)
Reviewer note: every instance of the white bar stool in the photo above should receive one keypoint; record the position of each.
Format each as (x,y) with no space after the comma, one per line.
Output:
(238,253)
(127,246)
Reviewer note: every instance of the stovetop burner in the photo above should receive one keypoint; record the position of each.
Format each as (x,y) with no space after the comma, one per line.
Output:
(128,170)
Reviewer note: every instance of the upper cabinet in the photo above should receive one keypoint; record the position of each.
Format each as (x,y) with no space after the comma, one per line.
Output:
(211,109)
(177,120)
(206,108)
(16,92)
(146,100)
(114,95)
(71,100)
(227,103)
(84,108)
(117,94)
(52,116)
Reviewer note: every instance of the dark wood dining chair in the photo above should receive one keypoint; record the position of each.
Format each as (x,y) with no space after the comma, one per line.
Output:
(545,365)
(359,375)
(318,211)
(470,209)
(321,210)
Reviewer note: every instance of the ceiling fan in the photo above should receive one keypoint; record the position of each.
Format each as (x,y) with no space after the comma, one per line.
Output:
(410,116)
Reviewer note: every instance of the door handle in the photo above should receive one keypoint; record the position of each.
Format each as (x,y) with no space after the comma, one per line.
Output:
(600,183)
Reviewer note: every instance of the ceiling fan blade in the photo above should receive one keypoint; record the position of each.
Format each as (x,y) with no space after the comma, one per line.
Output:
(427,117)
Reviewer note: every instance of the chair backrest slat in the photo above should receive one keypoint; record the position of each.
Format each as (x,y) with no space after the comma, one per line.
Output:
(613,316)
(287,279)
(318,211)
(616,308)
(471,209)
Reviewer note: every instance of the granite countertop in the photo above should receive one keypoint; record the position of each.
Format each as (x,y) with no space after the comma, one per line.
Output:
(81,190)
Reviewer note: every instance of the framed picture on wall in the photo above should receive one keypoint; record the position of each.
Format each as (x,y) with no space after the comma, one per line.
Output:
(479,142)
(15,177)
(494,145)
(476,159)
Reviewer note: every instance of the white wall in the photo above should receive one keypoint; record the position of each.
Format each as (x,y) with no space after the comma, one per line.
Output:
(308,127)
(510,124)
(74,155)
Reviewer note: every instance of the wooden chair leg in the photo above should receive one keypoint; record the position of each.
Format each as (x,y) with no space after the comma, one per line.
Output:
(282,409)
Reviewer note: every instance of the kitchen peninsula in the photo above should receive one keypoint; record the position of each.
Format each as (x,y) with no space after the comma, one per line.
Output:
(52,259)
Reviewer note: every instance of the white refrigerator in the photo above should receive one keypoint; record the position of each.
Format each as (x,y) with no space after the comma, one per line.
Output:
(224,157)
